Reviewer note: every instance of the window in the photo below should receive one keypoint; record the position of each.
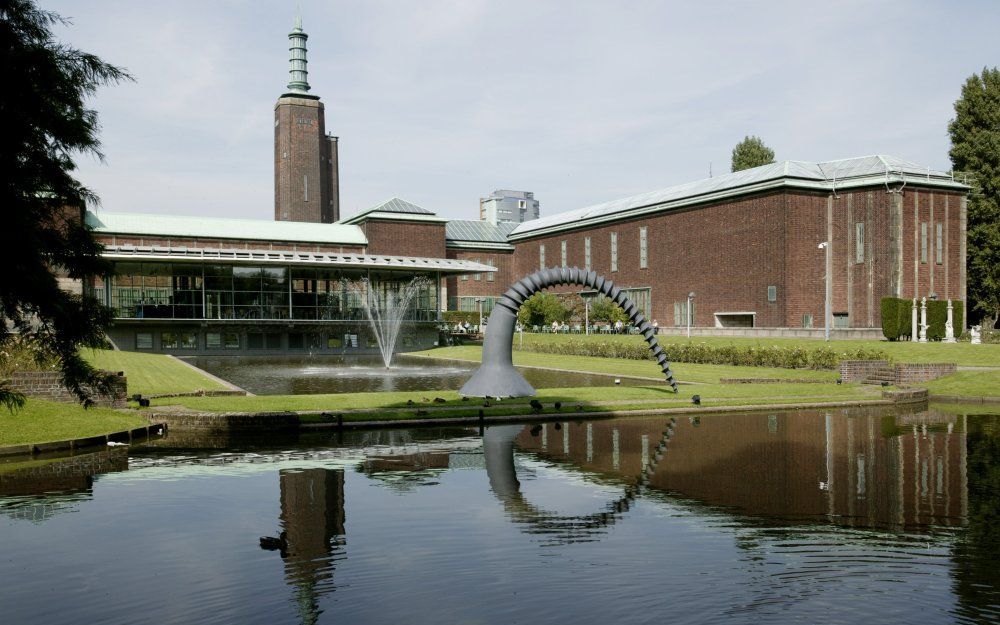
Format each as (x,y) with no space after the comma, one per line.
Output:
(477,277)
(923,241)
(541,256)
(178,340)
(841,320)
(681,313)
(562,249)
(772,293)
(614,251)
(305,187)
(859,242)
(464,277)
(273,341)
(255,340)
(939,243)
(334,342)
(522,203)
(643,249)
(807,321)
(222,340)
(144,340)
(490,277)
(586,253)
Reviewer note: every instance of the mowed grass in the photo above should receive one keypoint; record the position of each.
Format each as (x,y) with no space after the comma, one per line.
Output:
(395,405)
(901,351)
(44,421)
(967,384)
(684,372)
(152,374)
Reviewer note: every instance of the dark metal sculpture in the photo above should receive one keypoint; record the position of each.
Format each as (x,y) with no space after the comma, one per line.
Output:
(497,376)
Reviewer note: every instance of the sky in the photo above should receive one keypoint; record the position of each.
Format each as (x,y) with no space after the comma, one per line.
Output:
(441,102)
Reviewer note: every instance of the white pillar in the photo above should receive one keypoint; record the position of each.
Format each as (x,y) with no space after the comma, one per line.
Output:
(949,325)
(923,320)
(914,327)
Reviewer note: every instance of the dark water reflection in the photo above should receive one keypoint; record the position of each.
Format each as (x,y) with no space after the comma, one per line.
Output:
(303,375)
(812,516)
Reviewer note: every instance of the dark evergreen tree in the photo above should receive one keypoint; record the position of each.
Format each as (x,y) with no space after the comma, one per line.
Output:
(751,152)
(975,151)
(46,124)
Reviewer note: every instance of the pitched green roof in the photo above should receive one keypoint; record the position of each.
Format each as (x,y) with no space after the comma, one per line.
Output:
(395,208)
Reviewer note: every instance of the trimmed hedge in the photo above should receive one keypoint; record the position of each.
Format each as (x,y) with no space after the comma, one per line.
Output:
(897,318)
(452,317)
(824,357)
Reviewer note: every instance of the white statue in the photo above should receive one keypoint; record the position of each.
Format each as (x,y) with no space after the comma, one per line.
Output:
(976,335)
(949,325)
(923,320)
(914,327)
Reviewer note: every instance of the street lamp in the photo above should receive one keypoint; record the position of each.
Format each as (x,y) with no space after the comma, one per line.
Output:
(479,305)
(825,245)
(690,297)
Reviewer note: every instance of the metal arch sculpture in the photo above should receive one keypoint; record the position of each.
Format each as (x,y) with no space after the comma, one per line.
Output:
(497,377)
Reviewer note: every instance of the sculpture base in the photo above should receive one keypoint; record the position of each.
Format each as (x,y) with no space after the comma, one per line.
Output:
(498,381)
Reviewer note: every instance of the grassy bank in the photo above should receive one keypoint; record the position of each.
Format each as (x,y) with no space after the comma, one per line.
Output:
(43,421)
(152,374)
(960,353)
(967,384)
(684,372)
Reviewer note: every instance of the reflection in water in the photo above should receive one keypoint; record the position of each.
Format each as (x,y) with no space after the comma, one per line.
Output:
(312,534)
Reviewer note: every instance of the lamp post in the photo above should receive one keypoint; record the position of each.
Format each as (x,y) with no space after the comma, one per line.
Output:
(825,245)
(479,305)
(690,297)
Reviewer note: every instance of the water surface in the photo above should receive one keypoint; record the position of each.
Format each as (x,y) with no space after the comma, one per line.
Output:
(811,516)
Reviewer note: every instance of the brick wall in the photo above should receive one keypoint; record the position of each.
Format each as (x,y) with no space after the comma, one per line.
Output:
(916,373)
(405,238)
(897,375)
(503,278)
(302,162)
(860,370)
(48,385)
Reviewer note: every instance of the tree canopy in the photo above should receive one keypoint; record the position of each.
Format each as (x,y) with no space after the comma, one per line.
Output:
(975,150)
(751,152)
(46,124)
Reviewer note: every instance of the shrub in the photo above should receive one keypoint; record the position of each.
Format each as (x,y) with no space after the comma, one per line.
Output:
(24,354)
(891,322)
(937,315)
(825,357)
(542,309)
(451,317)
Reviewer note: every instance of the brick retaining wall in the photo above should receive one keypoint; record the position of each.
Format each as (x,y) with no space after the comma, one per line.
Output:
(228,422)
(48,385)
(897,375)
(860,370)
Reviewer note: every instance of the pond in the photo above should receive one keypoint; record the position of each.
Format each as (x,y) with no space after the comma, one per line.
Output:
(808,516)
(303,375)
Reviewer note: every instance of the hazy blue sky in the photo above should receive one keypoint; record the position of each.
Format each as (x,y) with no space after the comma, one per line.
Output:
(581,102)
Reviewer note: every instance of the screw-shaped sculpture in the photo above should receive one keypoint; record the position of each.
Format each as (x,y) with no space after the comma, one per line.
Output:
(497,376)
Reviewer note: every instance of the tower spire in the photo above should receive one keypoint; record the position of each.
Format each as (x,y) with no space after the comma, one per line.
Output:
(299,75)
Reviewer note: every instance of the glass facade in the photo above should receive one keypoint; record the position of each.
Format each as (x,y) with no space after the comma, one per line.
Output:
(235,292)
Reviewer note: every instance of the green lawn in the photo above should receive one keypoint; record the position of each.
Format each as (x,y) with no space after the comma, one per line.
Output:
(152,374)
(43,421)
(394,405)
(967,384)
(903,351)
(683,372)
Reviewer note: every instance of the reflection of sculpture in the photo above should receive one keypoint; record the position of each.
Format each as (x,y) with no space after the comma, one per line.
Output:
(497,376)
(312,529)
(498,450)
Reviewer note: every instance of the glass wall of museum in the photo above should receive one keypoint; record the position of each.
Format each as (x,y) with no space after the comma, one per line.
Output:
(223,292)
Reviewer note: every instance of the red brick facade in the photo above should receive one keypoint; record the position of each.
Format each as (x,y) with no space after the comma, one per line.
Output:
(306,185)
(480,285)
(404,238)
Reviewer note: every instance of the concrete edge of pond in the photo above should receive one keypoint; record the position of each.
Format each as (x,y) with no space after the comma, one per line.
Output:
(229,385)
(965,399)
(128,437)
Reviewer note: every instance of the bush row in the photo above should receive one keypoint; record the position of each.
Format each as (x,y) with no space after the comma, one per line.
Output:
(824,357)
(897,318)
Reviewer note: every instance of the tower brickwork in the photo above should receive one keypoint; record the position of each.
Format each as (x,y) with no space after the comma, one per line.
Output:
(306,177)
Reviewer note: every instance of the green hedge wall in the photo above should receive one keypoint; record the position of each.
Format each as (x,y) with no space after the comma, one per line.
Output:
(897,317)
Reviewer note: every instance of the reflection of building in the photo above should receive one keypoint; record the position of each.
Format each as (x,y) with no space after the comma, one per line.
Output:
(809,465)
(312,530)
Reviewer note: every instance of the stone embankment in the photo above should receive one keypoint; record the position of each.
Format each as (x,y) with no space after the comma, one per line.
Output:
(48,385)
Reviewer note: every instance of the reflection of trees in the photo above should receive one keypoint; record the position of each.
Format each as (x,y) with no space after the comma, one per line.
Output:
(976,554)
(312,534)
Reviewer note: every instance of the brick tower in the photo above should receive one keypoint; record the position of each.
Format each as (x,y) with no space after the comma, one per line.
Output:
(306,177)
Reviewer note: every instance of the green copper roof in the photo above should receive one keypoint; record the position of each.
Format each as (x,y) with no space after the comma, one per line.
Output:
(137,224)
(299,82)
(395,208)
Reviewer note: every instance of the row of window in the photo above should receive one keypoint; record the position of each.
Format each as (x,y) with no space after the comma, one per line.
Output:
(938,242)
(182,340)
(564,256)
(490,276)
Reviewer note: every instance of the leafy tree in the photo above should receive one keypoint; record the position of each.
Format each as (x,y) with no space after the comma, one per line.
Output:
(542,309)
(975,150)
(751,152)
(45,125)
(603,309)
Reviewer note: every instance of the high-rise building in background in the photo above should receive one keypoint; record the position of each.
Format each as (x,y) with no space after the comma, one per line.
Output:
(505,206)
(306,176)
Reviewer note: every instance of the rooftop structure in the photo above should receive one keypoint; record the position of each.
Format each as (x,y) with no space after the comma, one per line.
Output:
(506,206)
(825,176)
(394,208)
(478,234)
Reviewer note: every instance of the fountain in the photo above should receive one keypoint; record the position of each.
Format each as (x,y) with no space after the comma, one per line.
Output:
(386,309)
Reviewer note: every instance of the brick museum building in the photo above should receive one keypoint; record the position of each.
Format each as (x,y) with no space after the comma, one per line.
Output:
(762,250)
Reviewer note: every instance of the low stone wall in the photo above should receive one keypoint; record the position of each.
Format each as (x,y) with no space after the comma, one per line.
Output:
(226,393)
(897,375)
(48,385)
(68,473)
(228,422)
(916,373)
(906,396)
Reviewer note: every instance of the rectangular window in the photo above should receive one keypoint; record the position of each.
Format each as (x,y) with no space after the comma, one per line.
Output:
(541,256)
(939,243)
(178,340)
(923,241)
(477,277)
(643,249)
(586,253)
(859,242)
(490,277)
(681,313)
(305,187)
(464,277)
(144,340)
(213,340)
(807,321)
(841,320)
(334,342)
(255,340)
(614,251)
(562,249)
(772,293)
